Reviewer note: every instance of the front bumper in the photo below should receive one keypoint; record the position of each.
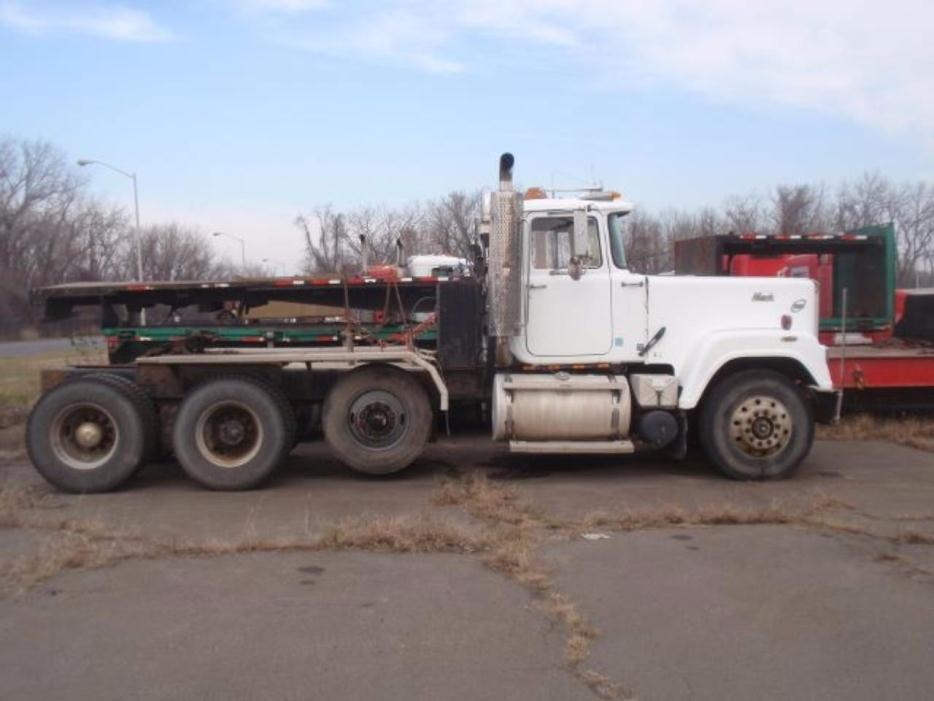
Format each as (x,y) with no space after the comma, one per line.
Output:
(827,405)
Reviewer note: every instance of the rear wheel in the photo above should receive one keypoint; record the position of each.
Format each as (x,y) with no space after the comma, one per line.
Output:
(377,419)
(756,425)
(230,433)
(87,435)
(145,407)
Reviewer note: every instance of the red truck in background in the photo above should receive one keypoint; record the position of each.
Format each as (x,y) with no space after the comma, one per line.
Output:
(880,339)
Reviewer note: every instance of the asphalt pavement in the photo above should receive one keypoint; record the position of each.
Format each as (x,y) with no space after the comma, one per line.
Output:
(840,607)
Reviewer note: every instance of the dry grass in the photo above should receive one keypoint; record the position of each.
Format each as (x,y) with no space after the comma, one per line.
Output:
(490,502)
(66,550)
(512,528)
(726,514)
(911,537)
(513,556)
(419,534)
(19,376)
(92,544)
(17,502)
(913,431)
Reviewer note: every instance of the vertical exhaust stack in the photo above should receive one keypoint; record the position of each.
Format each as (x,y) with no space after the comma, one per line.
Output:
(364,255)
(400,253)
(503,218)
(506,162)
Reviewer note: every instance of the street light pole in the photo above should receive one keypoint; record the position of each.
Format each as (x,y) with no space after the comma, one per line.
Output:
(242,247)
(139,235)
(139,232)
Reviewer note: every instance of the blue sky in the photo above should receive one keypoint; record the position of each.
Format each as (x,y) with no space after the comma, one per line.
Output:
(238,114)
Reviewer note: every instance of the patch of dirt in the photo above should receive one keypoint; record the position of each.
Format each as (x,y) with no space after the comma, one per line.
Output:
(12,416)
(12,442)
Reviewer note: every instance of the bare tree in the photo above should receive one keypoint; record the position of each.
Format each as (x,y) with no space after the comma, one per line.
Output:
(745,214)
(914,223)
(174,252)
(325,240)
(867,201)
(38,195)
(451,221)
(800,209)
(647,249)
(99,236)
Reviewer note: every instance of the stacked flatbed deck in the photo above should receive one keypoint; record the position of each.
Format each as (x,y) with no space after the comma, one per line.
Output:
(289,312)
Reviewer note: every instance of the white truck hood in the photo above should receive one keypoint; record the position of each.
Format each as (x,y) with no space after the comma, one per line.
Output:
(688,305)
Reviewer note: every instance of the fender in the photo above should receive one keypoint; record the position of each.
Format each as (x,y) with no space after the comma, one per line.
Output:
(720,347)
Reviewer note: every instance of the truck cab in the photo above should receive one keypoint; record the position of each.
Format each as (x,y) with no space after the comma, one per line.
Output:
(604,359)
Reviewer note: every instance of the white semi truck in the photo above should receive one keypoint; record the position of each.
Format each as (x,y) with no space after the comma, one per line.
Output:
(550,337)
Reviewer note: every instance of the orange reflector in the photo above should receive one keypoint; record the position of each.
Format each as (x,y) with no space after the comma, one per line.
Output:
(535,193)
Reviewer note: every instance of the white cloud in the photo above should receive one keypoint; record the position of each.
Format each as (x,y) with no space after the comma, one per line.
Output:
(395,36)
(282,6)
(868,62)
(109,22)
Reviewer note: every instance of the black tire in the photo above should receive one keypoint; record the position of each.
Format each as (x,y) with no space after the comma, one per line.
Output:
(377,419)
(144,405)
(756,425)
(68,419)
(231,432)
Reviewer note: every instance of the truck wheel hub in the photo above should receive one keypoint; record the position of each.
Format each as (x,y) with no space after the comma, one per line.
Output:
(761,426)
(84,436)
(89,435)
(377,419)
(231,432)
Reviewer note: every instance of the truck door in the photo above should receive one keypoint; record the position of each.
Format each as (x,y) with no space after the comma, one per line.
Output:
(630,299)
(566,317)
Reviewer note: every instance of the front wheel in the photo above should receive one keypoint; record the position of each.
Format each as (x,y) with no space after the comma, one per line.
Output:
(756,425)
(377,419)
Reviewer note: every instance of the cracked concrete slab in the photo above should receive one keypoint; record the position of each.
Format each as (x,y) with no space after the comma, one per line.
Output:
(304,626)
(743,612)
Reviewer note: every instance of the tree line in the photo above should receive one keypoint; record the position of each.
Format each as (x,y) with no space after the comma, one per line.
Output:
(796,210)
(446,225)
(333,239)
(52,230)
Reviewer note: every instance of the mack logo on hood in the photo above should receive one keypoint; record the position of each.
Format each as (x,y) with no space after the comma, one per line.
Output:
(763,297)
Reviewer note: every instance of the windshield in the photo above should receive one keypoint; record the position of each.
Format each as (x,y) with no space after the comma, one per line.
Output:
(617,249)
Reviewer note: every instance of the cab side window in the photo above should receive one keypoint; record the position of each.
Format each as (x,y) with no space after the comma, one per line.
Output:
(550,243)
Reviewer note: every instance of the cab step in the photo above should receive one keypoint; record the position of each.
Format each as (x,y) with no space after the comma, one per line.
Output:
(572,447)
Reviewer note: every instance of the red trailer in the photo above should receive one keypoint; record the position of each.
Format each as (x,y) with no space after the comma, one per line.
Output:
(880,340)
